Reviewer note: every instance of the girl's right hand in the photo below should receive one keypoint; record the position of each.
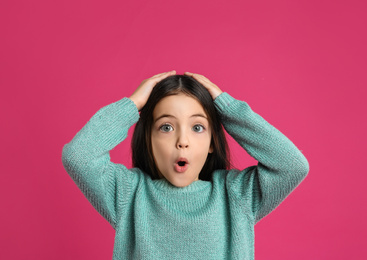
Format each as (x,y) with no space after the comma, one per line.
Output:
(142,93)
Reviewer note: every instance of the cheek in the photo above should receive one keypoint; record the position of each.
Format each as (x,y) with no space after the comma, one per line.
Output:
(159,148)
(203,141)
(202,148)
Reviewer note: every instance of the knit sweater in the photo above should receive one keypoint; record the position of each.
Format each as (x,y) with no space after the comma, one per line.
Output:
(205,220)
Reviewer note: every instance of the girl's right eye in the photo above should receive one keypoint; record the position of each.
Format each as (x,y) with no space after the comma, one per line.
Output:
(166,128)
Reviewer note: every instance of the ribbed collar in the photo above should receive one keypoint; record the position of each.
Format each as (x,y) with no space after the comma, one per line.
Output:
(166,186)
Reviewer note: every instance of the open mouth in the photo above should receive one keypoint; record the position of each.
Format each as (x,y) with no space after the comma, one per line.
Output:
(181,163)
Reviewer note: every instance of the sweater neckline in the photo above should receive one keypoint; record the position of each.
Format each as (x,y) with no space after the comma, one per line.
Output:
(166,186)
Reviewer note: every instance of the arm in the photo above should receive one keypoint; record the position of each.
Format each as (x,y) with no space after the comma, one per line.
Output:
(281,165)
(86,158)
(106,185)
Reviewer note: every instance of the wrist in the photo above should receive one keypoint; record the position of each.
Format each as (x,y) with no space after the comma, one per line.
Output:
(216,94)
(135,102)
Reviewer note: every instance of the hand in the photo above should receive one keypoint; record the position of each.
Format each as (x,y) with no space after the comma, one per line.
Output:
(142,93)
(213,89)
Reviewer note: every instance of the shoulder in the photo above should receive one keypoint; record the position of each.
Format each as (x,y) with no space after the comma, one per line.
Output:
(228,176)
(128,178)
(225,177)
(234,180)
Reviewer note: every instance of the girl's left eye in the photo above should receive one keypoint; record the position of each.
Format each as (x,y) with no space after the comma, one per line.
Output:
(198,128)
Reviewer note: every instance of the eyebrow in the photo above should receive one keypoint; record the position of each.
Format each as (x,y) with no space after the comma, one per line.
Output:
(167,115)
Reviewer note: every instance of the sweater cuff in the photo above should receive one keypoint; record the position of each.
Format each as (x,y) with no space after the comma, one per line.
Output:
(126,104)
(224,101)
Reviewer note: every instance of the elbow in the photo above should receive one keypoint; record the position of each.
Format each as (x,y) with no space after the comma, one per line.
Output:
(304,166)
(67,157)
(298,166)
(71,162)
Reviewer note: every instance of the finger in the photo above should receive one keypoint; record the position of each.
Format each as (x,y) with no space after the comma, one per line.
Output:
(199,77)
(203,77)
(195,75)
(203,80)
(164,74)
(158,75)
(191,74)
(207,81)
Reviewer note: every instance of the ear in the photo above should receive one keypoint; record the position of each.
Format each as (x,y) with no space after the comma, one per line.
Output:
(211,149)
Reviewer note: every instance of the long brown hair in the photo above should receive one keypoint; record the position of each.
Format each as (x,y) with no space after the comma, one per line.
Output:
(141,145)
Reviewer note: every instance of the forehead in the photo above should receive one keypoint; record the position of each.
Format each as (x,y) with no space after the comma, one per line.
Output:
(179,105)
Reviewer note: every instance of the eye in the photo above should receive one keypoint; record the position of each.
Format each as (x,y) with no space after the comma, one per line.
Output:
(198,128)
(166,128)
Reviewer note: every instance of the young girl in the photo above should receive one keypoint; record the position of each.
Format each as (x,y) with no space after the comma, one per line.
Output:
(180,200)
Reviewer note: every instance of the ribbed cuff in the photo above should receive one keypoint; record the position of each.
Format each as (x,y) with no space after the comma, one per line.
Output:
(112,122)
(126,104)
(224,101)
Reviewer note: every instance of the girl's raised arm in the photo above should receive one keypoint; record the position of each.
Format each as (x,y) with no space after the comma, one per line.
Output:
(281,165)
(86,157)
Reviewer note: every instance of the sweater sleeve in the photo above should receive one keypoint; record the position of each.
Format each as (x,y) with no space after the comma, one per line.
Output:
(86,159)
(281,165)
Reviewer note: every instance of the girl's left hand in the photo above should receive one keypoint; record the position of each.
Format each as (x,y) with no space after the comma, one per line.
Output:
(213,89)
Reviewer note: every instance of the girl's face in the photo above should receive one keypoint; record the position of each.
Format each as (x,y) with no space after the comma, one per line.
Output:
(180,132)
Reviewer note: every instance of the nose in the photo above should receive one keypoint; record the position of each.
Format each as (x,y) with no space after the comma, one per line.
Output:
(180,146)
(182,141)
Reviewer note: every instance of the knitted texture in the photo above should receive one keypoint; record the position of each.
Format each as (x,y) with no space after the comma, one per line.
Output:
(206,220)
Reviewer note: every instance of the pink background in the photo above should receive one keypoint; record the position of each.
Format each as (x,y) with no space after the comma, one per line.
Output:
(299,64)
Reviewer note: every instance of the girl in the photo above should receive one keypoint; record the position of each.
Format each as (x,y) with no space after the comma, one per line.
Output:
(180,200)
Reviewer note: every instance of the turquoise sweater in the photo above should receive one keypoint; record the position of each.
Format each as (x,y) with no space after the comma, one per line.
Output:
(205,220)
